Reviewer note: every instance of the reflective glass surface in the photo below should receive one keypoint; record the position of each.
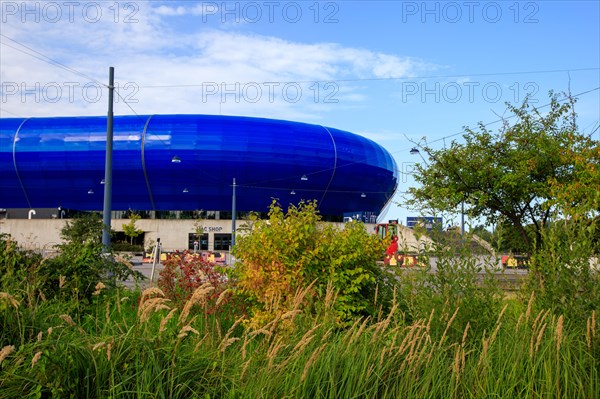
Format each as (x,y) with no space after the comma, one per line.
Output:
(51,162)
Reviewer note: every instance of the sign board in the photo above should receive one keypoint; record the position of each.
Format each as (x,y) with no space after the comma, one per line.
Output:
(427,221)
(365,217)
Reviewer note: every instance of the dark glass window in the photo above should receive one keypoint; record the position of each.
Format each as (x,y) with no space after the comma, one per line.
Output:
(222,242)
(201,240)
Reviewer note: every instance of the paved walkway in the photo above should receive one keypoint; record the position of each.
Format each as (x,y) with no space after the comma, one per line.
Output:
(146,270)
(509,279)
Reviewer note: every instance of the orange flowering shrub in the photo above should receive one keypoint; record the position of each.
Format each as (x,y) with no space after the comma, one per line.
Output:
(184,272)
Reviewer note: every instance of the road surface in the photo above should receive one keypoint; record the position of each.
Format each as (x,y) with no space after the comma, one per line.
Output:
(509,279)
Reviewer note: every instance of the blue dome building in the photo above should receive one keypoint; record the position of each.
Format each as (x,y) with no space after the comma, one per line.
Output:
(188,162)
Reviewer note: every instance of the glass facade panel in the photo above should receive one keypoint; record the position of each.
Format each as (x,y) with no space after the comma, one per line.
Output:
(198,242)
(222,242)
(60,162)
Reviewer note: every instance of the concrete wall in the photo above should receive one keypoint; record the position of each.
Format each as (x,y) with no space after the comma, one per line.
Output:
(407,242)
(34,233)
(173,233)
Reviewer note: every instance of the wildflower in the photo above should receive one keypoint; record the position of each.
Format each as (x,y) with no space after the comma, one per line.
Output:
(198,297)
(531,298)
(99,287)
(226,343)
(539,337)
(312,359)
(222,297)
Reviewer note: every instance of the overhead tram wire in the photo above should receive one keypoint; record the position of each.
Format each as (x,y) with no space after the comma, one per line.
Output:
(408,148)
(42,57)
(211,178)
(69,69)
(514,116)
(397,78)
(594,131)
(60,65)
(266,188)
(72,70)
(12,113)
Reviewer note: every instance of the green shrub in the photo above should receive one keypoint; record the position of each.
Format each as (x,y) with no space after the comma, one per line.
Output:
(562,273)
(126,247)
(82,262)
(132,344)
(290,251)
(460,290)
(183,273)
(19,269)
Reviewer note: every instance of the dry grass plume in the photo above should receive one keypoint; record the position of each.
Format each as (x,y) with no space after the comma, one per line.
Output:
(6,352)
(36,358)
(10,299)
(198,297)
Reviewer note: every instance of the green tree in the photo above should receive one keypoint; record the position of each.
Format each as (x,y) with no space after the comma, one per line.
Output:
(130,229)
(564,276)
(82,261)
(512,175)
(507,238)
(199,226)
(579,198)
(483,233)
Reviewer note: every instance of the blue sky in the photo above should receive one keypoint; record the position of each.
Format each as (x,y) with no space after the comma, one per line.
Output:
(393,71)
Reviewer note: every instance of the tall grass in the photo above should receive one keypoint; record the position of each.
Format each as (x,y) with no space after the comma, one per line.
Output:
(442,335)
(139,345)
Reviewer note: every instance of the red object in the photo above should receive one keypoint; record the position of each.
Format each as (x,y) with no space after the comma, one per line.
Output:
(393,248)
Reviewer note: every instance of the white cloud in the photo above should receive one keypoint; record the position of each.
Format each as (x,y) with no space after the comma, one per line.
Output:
(170,11)
(383,136)
(154,52)
(203,8)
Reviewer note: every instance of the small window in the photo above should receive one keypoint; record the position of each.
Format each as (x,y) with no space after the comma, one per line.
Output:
(198,242)
(222,242)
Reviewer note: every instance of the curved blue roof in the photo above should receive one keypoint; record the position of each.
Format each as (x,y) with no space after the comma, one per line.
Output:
(51,162)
